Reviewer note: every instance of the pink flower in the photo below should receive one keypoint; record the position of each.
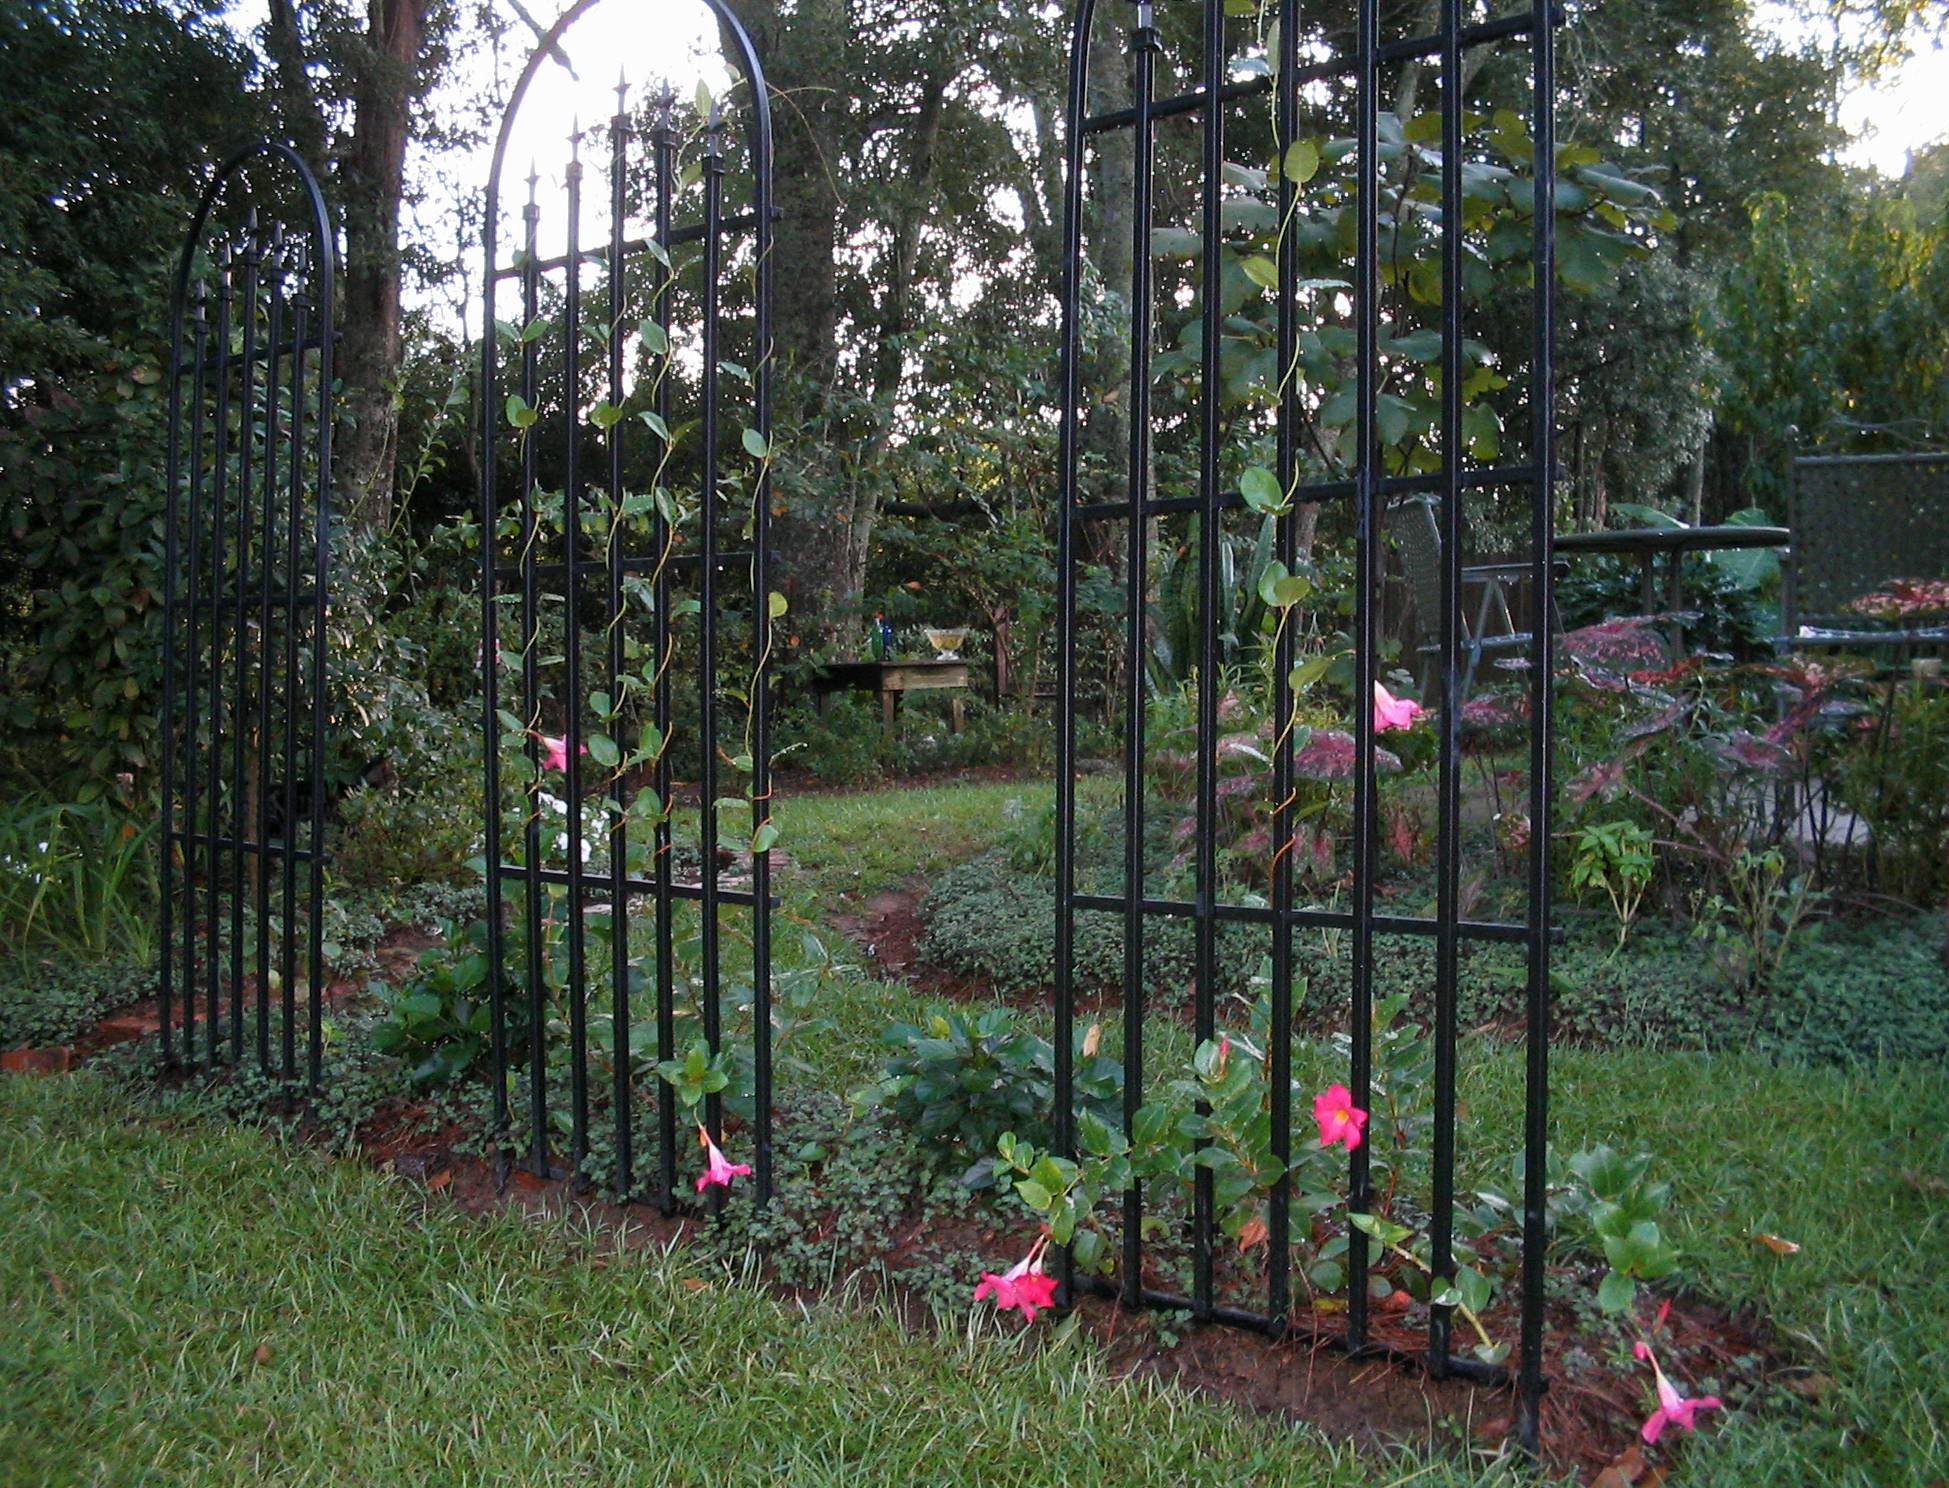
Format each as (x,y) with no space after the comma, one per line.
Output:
(554,752)
(1025,1285)
(717,1170)
(1673,1408)
(1391,712)
(1339,1118)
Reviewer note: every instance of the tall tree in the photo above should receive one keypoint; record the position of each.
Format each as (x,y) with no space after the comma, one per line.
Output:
(349,86)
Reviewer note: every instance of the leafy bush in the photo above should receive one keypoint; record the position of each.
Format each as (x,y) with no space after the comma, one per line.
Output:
(968,1078)
(52,1002)
(840,746)
(442,1023)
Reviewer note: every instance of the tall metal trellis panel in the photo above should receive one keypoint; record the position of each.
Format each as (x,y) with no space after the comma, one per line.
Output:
(1299,68)
(246,564)
(620,496)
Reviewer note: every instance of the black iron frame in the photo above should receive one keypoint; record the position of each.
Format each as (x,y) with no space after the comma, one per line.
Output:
(531,581)
(1367,491)
(248,418)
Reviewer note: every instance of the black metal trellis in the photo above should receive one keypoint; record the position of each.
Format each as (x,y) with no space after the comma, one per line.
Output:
(644,456)
(1135,503)
(246,563)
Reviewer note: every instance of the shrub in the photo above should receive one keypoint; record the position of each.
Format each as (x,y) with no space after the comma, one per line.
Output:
(52,1002)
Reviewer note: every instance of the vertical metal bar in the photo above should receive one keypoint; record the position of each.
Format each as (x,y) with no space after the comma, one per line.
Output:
(1448,814)
(1279,1051)
(618,823)
(490,673)
(1536,1115)
(199,331)
(531,707)
(1210,521)
(171,523)
(1144,46)
(760,701)
(240,661)
(1064,1127)
(707,617)
(662,287)
(219,473)
(1366,310)
(266,667)
(321,558)
(578,1031)
(294,507)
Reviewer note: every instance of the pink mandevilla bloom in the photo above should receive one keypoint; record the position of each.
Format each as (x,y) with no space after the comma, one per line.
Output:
(1391,712)
(717,1171)
(1025,1284)
(554,752)
(1339,1118)
(1673,1408)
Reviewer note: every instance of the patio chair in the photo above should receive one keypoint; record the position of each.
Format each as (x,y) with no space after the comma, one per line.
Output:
(1859,521)
(1492,632)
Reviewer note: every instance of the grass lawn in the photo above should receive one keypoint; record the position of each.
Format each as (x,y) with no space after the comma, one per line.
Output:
(191,1304)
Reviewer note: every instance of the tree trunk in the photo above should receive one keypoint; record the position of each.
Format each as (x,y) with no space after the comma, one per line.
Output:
(372,179)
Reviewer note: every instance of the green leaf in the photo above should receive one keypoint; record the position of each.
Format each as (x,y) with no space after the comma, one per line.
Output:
(776,604)
(1261,491)
(603,750)
(1616,1291)
(654,423)
(1034,1195)
(1302,162)
(764,838)
(656,340)
(756,445)
(1261,270)
(605,415)
(519,413)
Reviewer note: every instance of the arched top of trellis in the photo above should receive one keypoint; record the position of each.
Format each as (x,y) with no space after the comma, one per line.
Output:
(741,53)
(304,210)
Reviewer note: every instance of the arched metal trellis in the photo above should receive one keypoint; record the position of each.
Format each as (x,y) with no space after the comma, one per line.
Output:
(626,435)
(244,662)
(1305,72)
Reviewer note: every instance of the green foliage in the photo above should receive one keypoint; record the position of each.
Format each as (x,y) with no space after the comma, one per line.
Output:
(987,918)
(1608,1202)
(55,1000)
(79,879)
(1615,858)
(116,112)
(441,1024)
(1827,330)
(971,1077)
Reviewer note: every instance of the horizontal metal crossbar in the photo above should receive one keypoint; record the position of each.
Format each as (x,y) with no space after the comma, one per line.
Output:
(1488,477)
(634,246)
(254,601)
(554,573)
(241,844)
(596,884)
(213,366)
(1485,34)
(1322,919)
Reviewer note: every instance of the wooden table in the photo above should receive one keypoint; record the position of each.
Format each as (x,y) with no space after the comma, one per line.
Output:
(890,679)
(1646,543)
